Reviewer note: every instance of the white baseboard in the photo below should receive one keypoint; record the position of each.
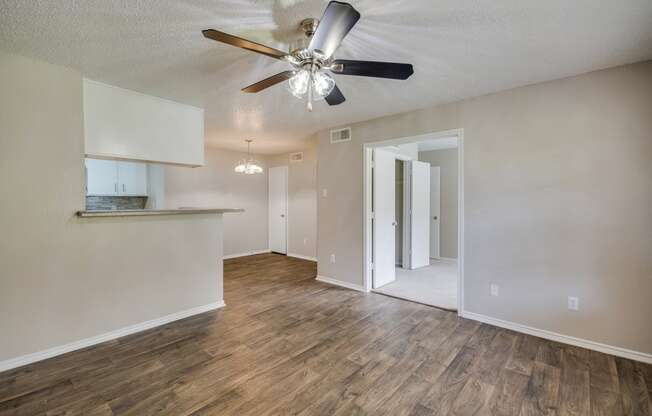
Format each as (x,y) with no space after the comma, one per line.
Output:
(248,253)
(300,256)
(448,259)
(87,342)
(336,282)
(565,339)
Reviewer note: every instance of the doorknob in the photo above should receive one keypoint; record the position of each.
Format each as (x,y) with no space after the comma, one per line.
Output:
(282,215)
(434,218)
(394,224)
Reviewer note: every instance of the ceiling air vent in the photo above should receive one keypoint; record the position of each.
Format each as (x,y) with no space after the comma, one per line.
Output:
(296,157)
(341,135)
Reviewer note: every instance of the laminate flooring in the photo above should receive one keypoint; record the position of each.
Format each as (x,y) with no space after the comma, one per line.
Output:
(288,345)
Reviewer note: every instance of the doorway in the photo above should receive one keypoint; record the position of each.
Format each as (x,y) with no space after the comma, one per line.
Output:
(413,240)
(278,209)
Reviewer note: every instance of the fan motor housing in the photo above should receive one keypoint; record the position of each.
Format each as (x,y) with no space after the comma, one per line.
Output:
(308,27)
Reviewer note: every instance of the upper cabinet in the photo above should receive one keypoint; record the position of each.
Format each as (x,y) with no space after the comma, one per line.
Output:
(101,177)
(132,178)
(115,178)
(123,124)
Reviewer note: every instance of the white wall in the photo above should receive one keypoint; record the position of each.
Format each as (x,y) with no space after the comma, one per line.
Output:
(217,185)
(155,186)
(446,159)
(302,201)
(64,278)
(558,190)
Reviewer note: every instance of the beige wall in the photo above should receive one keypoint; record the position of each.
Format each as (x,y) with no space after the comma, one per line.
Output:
(302,201)
(62,278)
(217,185)
(558,190)
(446,159)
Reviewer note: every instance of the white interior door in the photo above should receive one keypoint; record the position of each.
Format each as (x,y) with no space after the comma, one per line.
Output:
(435,211)
(384,220)
(278,209)
(420,223)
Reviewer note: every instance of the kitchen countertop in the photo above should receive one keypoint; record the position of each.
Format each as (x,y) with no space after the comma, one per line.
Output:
(144,212)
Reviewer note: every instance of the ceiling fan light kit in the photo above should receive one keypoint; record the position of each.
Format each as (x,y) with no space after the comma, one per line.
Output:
(312,56)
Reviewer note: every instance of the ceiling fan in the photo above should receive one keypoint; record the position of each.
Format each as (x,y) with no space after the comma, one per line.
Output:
(311,56)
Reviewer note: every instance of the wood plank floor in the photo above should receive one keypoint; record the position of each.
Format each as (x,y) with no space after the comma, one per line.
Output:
(288,345)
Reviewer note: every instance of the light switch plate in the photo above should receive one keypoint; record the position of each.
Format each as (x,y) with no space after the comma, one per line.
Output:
(573,303)
(494,290)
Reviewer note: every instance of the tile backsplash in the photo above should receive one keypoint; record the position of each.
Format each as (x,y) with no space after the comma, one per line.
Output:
(94,203)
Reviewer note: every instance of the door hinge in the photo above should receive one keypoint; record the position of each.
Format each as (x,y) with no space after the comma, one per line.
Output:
(373,164)
(371,266)
(373,215)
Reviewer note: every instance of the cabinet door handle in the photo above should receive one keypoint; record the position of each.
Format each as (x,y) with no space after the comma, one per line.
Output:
(115,185)
(123,188)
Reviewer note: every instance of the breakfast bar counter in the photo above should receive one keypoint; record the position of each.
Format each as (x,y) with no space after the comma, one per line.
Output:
(144,212)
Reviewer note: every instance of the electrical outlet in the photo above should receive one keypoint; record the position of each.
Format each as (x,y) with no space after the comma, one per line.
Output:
(324,192)
(332,258)
(573,303)
(494,289)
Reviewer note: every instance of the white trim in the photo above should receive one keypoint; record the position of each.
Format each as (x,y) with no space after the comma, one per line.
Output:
(336,282)
(460,221)
(566,339)
(248,253)
(367,169)
(366,225)
(87,342)
(302,257)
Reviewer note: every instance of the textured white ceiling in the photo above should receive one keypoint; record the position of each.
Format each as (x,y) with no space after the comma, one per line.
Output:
(459,49)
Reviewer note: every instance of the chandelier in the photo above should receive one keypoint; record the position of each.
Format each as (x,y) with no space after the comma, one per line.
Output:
(249,165)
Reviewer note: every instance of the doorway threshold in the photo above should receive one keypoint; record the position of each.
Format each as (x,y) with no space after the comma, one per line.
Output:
(407,298)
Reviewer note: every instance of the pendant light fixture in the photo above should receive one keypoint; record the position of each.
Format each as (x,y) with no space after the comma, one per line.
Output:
(249,165)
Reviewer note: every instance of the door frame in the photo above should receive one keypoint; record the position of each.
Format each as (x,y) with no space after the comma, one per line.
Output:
(367,150)
(286,169)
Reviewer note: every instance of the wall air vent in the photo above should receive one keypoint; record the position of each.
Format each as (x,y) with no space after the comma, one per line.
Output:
(296,157)
(341,135)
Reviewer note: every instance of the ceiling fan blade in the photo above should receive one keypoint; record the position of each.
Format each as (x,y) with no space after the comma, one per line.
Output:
(268,82)
(243,43)
(335,97)
(335,23)
(372,69)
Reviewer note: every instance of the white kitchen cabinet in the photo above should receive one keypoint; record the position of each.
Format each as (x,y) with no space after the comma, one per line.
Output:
(123,124)
(115,178)
(132,179)
(101,177)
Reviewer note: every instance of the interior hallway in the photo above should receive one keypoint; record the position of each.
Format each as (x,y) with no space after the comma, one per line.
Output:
(287,344)
(434,285)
